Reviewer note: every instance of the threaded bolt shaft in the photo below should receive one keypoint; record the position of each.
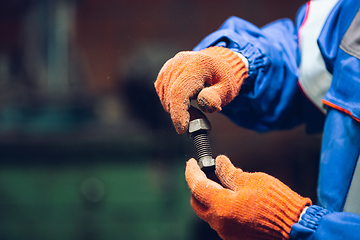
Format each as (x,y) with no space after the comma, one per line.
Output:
(202,145)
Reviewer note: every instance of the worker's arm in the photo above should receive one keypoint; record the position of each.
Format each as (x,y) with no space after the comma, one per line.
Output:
(268,77)
(270,97)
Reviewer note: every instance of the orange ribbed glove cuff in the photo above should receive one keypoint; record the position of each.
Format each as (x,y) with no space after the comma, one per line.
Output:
(244,205)
(214,76)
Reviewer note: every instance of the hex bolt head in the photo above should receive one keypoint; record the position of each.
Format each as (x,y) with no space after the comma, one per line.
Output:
(200,124)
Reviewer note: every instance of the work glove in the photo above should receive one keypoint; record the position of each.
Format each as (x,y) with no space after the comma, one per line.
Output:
(213,76)
(243,205)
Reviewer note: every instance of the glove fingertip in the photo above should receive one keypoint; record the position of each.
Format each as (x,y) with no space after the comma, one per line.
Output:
(223,161)
(191,163)
(180,120)
(193,170)
(225,170)
(180,127)
(209,100)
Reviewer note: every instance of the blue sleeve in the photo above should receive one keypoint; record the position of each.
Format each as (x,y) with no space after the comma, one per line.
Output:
(270,97)
(318,223)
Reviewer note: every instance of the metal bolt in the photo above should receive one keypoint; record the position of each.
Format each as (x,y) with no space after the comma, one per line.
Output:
(199,128)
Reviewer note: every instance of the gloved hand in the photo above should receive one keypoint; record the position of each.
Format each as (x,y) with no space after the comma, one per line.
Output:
(244,205)
(213,75)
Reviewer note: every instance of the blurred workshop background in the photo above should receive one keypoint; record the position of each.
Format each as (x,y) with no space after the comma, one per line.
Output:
(86,150)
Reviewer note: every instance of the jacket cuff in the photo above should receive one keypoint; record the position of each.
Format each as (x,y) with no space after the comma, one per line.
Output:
(308,223)
(257,60)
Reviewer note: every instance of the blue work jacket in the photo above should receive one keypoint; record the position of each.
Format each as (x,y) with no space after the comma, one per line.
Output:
(288,85)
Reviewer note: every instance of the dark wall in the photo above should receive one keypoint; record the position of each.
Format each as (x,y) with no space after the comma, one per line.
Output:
(78,107)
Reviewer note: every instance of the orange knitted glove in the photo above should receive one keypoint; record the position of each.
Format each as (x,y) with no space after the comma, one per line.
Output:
(213,75)
(245,205)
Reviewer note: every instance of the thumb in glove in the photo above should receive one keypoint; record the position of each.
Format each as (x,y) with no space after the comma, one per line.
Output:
(213,76)
(244,205)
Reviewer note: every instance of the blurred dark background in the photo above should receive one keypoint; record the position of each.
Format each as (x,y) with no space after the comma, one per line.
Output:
(86,150)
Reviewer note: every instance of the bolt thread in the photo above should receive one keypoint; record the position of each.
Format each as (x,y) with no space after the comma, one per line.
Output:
(202,145)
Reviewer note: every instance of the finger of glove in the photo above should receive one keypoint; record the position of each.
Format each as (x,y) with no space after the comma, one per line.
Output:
(223,87)
(209,99)
(218,94)
(227,173)
(202,188)
(181,95)
(163,81)
(202,211)
(180,80)
(167,75)
(185,87)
